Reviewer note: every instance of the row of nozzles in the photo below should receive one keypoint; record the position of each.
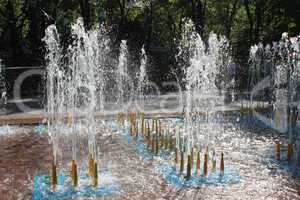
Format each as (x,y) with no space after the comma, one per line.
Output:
(290,154)
(92,172)
(160,137)
(92,164)
(190,162)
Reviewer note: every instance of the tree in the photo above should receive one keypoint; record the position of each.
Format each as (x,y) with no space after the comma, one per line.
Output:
(85,7)
(13,18)
(250,19)
(198,14)
(231,9)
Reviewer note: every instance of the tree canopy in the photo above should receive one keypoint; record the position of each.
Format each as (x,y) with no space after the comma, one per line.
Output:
(154,23)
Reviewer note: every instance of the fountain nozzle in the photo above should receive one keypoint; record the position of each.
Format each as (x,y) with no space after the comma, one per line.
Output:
(54,173)
(290,152)
(222,164)
(198,162)
(95,180)
(205,164)
(189,167)
(91,165)
(74,174)
(181,162)
(278,150)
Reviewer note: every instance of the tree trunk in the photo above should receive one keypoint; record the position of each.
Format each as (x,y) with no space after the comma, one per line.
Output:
(250,20)
(231,17)
(198,15)
(34,25)
(16,49)
(149,25)
(258,16)
(86,13)
(122,6)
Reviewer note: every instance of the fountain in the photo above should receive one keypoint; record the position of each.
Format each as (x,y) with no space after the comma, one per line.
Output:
(178,142)
(143,80)
(278,65)
(93,153)
(122,74)
(203,93)
(75,91)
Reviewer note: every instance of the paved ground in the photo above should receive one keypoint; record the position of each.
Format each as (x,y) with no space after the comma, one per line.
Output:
(24,153)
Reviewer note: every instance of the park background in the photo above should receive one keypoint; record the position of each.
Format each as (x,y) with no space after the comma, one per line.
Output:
(156,24)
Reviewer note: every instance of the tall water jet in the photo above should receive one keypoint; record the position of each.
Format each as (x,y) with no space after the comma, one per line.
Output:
(143,79)
(281,68)
(54,87)
(204,65)
(85,54)
(75,87)
(122,74)
(255,66)
(279,63)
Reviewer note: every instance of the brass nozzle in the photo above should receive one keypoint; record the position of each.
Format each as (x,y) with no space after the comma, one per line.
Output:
(152,145)
(166,141)
(188,168)
(192,157)
(95,178)
(181,162)
(70,119)
(131,129)
(198,163)
(74,173)
(153,123)
(157,144)
(143,124)
(136,130)
(162,140)
(222,164)
(54,173)
(148,135)
(176,156)
(290,152)
(122,118)
(172,141)
(205,163)
(156,127)
(91,165)
(159,128)
(214,163)
(278,151)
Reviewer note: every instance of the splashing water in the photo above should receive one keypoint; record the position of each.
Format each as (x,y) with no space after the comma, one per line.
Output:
(204,66)
(281,63)
(75,81)
(54,84)
(143,78)
(123,78)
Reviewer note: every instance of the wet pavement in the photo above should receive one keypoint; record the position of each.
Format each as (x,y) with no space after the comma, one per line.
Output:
(248,149)
(22,154)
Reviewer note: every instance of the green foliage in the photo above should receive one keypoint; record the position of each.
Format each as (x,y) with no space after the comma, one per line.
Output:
(155,23)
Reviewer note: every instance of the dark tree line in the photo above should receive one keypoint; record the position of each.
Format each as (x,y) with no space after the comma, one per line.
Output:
(154,23)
